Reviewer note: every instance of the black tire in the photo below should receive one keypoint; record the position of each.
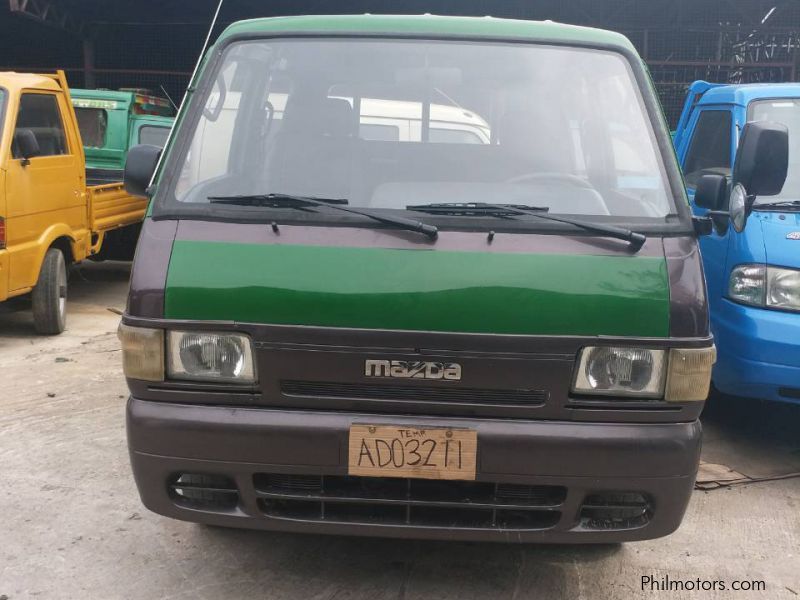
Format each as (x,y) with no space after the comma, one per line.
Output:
(50,295)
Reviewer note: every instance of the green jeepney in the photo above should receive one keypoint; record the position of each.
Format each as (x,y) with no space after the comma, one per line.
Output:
(111,122)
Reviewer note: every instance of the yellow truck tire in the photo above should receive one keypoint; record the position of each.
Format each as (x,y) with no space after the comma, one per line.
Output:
(50,295)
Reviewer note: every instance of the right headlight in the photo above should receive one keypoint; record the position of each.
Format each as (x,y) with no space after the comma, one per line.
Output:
(765,286)
(200,355)
(676,375)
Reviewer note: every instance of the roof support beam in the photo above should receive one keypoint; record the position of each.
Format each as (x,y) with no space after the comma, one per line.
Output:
(47,12)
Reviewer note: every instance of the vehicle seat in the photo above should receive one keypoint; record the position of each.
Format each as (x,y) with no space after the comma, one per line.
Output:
(534,139)
(313,153)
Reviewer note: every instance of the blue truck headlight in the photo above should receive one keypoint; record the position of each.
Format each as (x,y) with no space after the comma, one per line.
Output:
(765,286)
(199,355)
(747,284)
(783,288)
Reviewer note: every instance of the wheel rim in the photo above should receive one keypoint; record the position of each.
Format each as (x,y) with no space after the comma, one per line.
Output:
(62,292)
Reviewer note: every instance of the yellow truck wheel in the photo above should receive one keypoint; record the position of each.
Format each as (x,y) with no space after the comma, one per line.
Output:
(50,295)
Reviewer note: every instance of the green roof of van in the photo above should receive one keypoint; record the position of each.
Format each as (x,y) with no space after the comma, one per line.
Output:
(429,25)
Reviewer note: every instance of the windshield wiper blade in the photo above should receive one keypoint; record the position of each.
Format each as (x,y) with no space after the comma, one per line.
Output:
(477,209)
(274,200)
(777,204)
(302,202)
(636,240)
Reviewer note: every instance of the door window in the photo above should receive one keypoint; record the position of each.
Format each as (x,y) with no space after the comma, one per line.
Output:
(39,113)
(155,136)
(92,123)
(710,150)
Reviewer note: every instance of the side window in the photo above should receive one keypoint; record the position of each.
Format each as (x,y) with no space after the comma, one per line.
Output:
(39,113)
(710,149)
(154,136)
(92,123)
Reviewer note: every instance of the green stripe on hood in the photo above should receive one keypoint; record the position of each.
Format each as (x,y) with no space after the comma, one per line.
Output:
(429,290)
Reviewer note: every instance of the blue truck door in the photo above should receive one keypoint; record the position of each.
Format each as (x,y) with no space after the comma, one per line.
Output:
(708,149)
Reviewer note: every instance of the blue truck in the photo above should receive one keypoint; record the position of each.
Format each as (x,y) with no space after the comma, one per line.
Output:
(752,257)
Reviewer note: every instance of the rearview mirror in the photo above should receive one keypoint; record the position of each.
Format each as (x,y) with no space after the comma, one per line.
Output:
(139,169)
(26,144)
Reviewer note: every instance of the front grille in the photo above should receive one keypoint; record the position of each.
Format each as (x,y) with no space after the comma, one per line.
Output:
(204,492)
(413,393)
(627,510)
(416,502)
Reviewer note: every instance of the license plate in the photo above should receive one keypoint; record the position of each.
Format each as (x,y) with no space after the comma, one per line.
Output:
(424,453)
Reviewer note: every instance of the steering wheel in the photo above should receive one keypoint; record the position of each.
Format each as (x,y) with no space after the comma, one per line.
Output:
(561,177)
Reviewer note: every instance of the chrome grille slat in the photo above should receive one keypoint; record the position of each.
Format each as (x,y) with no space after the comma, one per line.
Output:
(412,393)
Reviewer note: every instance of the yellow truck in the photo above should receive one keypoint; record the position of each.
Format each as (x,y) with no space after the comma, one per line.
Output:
(49,218)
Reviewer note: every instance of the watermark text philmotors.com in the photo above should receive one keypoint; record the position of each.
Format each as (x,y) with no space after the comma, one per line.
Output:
(665,583)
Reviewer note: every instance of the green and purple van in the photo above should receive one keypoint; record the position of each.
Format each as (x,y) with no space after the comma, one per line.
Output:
(424,277)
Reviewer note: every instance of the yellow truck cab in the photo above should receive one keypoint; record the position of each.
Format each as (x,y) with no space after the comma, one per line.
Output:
(49,218)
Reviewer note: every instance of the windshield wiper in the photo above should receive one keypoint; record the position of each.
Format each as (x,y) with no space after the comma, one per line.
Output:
(475,209)
(778,204)
(303,202)
(636,240)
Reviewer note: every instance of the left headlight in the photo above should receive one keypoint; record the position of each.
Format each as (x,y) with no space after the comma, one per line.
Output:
(199,355)
(676,375)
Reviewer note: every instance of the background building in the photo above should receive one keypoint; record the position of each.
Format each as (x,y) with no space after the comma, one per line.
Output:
(154,43)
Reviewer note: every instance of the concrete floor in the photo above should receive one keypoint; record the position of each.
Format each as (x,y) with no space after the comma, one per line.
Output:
(71,525)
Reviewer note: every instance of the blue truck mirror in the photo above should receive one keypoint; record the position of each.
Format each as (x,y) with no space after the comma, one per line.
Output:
(762,159)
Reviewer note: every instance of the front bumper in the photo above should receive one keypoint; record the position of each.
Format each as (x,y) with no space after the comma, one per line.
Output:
(567,463)
(757,352)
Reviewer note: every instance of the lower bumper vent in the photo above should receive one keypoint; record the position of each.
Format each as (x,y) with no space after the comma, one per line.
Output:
(627,510)
(415,502)
(204,492)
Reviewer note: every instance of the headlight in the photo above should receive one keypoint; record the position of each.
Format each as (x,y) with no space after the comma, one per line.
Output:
(783,288)
(142,352)
(767,286)
(206,356)
(620,371)
(676,375)
(747,284)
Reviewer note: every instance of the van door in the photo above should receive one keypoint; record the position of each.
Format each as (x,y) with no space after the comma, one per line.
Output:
(710,152)
(47,191)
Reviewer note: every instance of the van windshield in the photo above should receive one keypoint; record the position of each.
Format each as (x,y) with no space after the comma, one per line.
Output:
(387,124)
(786,111)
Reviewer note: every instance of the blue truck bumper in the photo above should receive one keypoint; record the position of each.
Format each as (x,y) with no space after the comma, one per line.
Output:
(758,352)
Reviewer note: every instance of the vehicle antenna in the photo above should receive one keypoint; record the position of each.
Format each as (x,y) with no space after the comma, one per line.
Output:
(166,93)
(191,84)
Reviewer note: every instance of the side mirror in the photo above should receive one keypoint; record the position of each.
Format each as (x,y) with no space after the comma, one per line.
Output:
(711,192)
(26,144)
(762,162)
(762,159)
(139,168)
